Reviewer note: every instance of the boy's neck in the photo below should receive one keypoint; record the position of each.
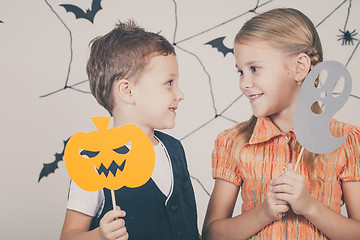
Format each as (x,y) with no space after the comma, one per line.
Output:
(148,131)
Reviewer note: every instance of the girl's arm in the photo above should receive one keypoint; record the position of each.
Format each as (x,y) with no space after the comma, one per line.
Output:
(291,187)
(333,224)
(219,223)
(76,226)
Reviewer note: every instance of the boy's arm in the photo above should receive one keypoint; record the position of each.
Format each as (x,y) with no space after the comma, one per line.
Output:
(76,226)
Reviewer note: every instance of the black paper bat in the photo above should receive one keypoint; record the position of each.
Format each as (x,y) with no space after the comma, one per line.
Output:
(79,13)
(218,43)
(51,167)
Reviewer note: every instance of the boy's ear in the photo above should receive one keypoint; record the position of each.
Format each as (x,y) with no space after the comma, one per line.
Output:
(123,88)
(302,67)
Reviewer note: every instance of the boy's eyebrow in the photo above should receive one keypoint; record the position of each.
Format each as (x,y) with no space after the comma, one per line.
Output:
(173,75)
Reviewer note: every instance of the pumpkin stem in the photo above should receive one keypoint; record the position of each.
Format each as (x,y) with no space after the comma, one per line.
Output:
(101,123)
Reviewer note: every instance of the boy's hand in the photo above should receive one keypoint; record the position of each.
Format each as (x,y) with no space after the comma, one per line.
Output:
(112,226)
(291,187)
(274,208)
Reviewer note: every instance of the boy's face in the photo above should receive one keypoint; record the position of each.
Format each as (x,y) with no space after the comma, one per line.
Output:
(157,93)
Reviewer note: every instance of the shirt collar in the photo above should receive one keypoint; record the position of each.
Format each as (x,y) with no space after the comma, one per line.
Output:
(264,130)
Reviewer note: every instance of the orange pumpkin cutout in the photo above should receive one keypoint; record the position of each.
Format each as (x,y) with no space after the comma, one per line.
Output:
(111,164)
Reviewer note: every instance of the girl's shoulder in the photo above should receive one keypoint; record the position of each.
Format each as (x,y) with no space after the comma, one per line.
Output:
(348,161)
(238,136)
(228,134)
(340,129)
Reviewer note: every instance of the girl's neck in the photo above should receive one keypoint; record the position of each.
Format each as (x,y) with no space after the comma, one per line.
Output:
(284,121)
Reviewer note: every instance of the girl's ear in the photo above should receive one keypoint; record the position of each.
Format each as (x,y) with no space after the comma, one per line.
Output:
(123,89)
(302,67)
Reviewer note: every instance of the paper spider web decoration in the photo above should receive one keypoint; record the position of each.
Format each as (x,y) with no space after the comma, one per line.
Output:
(181,46)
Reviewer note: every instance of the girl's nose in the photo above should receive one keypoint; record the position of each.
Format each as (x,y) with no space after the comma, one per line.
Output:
(247,82)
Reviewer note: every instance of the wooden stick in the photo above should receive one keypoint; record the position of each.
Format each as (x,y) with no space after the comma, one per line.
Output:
(298,159)
(113,199)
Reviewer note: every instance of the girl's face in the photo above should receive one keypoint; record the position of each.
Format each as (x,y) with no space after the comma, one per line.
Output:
(267,79)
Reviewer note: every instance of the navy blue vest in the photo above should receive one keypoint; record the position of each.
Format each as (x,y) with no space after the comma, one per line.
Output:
(147,217)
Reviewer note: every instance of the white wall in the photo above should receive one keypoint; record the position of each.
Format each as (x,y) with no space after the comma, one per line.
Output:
(35,52)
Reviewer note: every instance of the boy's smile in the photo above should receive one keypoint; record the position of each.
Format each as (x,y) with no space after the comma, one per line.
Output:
(173,109)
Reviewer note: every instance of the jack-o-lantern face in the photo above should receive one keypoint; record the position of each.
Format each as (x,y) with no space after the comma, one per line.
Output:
(109,163)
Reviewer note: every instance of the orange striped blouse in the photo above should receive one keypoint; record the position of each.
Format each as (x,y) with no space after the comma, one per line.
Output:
(263,158)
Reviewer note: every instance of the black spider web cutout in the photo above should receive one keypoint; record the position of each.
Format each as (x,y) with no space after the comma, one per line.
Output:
(216,114)
(177,45)
(66,86)
(345,25)
(346,36)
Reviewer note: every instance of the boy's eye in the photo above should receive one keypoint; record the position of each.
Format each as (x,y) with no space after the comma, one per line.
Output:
(170,82)
(254,69)
(240,72)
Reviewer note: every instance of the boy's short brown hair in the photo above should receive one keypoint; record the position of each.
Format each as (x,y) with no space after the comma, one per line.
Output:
(122,53)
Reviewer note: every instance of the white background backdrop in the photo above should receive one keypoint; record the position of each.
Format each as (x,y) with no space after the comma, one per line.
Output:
(43,47)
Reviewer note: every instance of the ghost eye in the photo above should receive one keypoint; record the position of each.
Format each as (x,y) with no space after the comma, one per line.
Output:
(89,154)
(122,150)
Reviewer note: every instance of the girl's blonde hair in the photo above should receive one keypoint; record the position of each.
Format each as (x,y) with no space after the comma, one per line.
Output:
(291,32)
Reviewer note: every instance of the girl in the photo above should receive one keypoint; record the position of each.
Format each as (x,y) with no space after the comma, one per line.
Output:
(274,52)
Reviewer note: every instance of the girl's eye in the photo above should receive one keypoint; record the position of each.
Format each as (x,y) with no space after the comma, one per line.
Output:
(240,72)
(170,82)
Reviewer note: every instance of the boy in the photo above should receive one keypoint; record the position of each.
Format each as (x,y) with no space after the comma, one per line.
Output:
(133,74)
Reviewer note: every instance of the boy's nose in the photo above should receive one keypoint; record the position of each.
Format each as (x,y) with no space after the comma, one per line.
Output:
(179,95)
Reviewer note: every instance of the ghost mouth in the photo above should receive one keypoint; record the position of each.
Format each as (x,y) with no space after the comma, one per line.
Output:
(112,168)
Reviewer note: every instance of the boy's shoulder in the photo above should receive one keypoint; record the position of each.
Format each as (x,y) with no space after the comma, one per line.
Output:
(172,144)
(165,137)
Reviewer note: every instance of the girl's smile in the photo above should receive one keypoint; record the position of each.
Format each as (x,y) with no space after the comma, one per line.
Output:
(253,97)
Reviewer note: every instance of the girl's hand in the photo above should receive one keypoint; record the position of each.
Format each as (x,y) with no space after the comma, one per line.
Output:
(274,208)
(112,227)
(291,188)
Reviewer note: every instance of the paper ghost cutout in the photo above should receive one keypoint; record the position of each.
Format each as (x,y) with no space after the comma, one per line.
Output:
(313,130)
